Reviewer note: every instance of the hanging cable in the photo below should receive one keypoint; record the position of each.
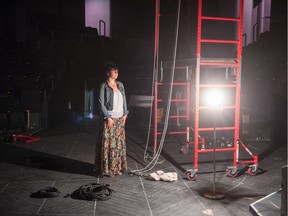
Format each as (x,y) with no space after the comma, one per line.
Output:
(155,72)
(153,162)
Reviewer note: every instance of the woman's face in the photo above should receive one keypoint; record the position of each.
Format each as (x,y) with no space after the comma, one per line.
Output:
(113,74)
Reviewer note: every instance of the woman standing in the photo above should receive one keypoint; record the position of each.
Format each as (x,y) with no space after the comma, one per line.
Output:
(113,114)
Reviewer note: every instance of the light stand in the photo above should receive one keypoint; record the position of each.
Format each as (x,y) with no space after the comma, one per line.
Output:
(215,99)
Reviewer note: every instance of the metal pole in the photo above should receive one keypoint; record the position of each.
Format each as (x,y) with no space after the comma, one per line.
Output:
(214,156)
(156,55)
(214,195)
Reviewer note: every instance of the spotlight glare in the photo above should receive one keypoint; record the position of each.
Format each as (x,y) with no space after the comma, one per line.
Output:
(215,98)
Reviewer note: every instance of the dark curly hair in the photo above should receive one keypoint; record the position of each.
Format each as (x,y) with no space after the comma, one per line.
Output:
(109,67)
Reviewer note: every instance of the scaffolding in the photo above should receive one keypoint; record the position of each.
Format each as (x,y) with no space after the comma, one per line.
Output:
(212,74)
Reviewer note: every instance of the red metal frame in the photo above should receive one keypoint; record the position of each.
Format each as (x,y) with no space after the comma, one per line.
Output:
(234,62)
(173,100)
(156,54)
(198,87)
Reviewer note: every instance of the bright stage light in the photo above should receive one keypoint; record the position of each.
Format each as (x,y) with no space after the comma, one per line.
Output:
(214,98)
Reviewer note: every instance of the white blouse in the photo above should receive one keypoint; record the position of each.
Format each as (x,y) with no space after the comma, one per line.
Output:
(117,111)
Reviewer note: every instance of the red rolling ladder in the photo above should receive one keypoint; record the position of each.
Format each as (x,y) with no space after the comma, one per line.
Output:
(184,87)
(234,88)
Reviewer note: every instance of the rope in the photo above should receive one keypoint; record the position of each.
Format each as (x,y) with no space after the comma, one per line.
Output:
(95,191)
(92,191)
(153,162)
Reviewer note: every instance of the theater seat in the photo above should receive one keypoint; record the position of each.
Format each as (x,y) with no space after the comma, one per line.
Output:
(16,121)
(3,122)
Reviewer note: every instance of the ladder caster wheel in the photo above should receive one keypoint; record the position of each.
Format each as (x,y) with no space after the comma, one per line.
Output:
(190,176)
(232,173)
(184,150)
(252,172)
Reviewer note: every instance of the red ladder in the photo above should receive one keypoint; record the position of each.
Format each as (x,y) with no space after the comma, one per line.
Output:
(183,99)
(234,88)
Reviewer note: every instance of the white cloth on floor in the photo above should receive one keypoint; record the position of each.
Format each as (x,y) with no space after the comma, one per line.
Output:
(160,175)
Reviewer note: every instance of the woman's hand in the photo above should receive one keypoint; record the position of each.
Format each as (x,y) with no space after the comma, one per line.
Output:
(123,119)
(110,123)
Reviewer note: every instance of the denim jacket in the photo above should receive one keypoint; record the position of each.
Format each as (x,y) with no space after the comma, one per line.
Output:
(105,99)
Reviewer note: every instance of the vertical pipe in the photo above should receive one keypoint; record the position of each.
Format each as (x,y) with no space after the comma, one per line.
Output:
(214,153)
(188,102)
(156,37)
(188,112)
(156,53)
(238,81)
(197,82)
(155,118)
(199,27)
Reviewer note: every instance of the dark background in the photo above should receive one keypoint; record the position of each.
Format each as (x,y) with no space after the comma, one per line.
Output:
(46,48)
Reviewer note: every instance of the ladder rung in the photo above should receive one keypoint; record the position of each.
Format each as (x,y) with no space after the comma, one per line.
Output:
(173,132)
(219,63)
(179,67)
(217,85)
(220,18)
(219,41)
(216,149)
(223,107)
(184,116)
(217,129)
(175,83)
(174,100)
(182,67)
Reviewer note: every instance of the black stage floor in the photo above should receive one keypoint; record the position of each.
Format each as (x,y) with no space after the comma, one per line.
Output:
(63,158)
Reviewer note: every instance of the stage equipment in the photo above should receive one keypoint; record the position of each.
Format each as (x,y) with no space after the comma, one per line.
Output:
(217,69)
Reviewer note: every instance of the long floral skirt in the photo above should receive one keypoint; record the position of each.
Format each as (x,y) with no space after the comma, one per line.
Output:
(113,152)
